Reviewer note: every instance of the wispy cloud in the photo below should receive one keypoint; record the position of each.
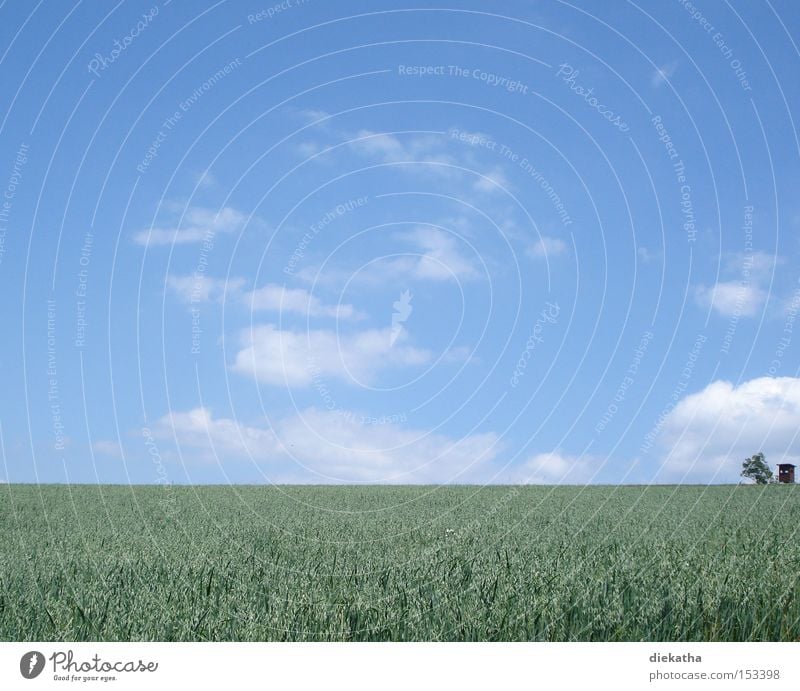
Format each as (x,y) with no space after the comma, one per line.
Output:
(431,254)
(295,358)
(441,257)
(278,298)
(336,445)
(316,445)
(201,437)
(742,297)
(196,225)
(663,74)
(411,148)
(556,468)
(494,180)
(201,288)
(107,447)
(645,255)
(206,180)
(436,156)
(547,247)
(314,114)
(732,298)
(437,256)
(271,297)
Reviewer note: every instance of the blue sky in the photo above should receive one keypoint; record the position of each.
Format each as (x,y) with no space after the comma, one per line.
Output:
(369,242)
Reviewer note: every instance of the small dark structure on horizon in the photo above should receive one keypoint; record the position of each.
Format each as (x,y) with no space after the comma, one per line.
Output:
(786,472)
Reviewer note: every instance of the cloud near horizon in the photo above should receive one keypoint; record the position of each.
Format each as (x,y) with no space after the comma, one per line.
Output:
(708,434)
(704,439)
(329,446)
(556,468)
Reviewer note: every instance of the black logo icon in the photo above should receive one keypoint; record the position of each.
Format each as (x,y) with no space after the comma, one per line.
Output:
(31,664)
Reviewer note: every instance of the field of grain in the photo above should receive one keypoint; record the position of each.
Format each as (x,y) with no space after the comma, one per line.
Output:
(399,563)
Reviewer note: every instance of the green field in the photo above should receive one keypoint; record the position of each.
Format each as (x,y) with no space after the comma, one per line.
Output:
(399,563)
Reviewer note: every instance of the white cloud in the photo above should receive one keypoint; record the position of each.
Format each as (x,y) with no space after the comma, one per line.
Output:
(755,265)
(708,434)
(644,254)
(322,445)
(732,298)
(196,225)
(439,157)
(296,358)
(547,247)
(745,296)
(308,149)
(556,468)
(314,115)
(441,258)
(202,288)
(663,74)
(338,446)
(270,297)
(201,437)
(412,148)
(386,147)
(279,298)
(437,257)
(107,447)
(206,179)
(493,181)
(459,355)
(435,154)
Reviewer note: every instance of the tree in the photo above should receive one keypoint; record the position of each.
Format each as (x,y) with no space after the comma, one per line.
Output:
(756,468)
